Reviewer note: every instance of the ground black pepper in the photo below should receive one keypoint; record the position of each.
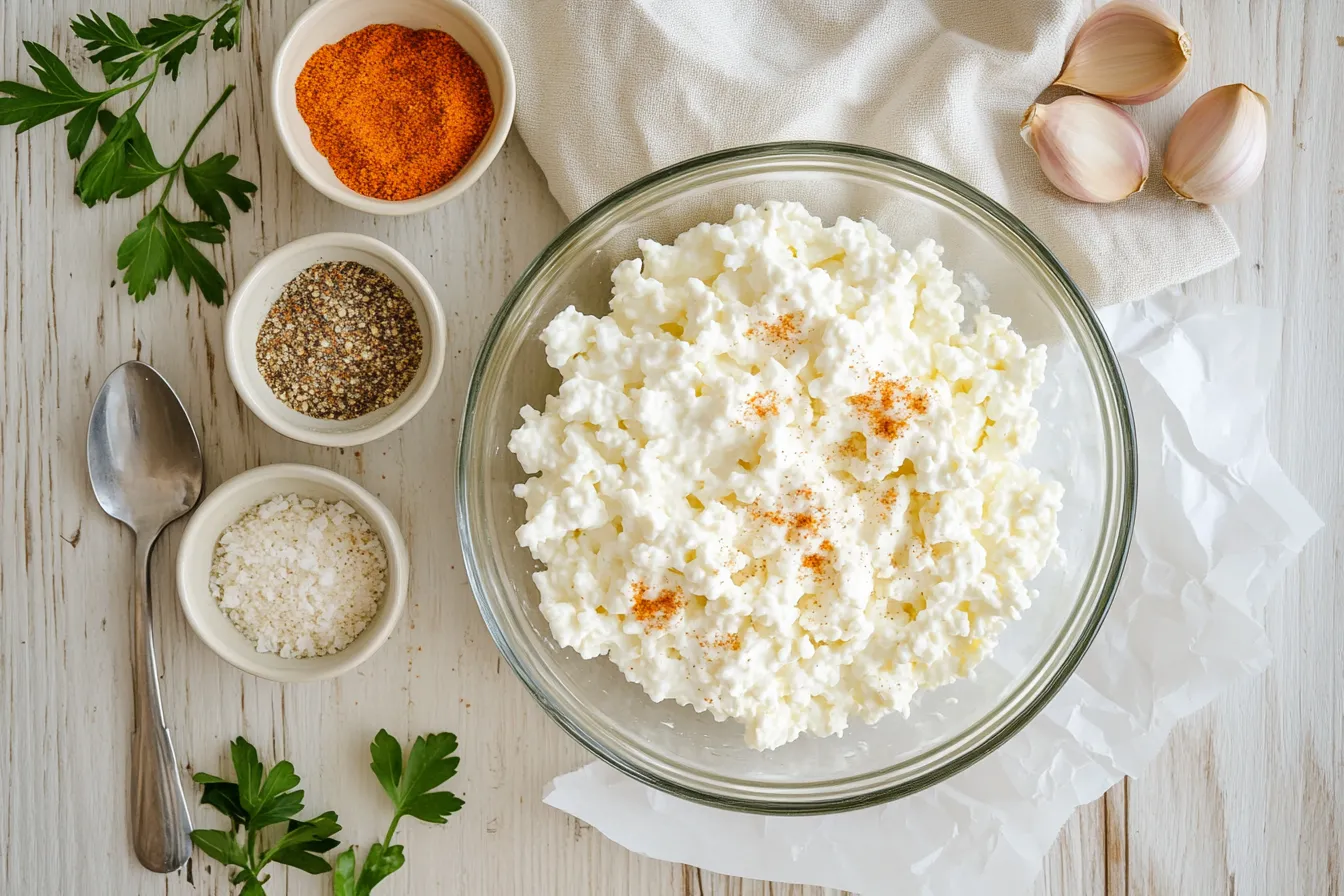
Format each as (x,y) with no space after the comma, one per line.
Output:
(342,341)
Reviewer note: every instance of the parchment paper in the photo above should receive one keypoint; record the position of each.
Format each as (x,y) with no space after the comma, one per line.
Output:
(1218,522)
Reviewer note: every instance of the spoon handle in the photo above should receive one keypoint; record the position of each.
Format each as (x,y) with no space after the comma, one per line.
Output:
(160,823)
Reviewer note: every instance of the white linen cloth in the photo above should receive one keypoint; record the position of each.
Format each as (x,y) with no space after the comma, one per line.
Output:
(610,90)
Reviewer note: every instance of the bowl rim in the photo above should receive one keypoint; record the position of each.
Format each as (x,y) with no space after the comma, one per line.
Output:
(1107,369)
(434,341)
(283,101)
(202,527)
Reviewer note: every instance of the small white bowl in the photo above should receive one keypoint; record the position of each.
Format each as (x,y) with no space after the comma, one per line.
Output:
(230,501)
(327,22)
(253,298)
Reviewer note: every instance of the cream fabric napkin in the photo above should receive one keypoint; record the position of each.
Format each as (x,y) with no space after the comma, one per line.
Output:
(609,90)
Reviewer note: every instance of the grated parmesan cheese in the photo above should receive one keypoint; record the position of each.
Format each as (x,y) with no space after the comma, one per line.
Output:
(299,577)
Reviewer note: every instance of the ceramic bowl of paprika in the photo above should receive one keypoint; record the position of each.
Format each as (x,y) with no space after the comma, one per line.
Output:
(328,22)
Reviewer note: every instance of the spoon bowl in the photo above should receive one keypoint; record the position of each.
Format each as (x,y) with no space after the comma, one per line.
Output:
(146,470)
(144,458)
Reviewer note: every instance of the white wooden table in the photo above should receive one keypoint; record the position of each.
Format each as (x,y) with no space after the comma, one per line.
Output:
(1246,798)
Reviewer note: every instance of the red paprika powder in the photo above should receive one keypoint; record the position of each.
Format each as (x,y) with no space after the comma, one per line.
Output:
(397,112)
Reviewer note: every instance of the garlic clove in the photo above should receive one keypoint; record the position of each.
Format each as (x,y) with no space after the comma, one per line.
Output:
(1217,149)
(1088,148)
(1128,51)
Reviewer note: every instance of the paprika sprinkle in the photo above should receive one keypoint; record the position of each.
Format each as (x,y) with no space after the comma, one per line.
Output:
(397,112)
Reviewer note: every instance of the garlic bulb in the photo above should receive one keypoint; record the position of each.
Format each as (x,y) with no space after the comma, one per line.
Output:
(1128,51)
(1088,148)
(1217,149)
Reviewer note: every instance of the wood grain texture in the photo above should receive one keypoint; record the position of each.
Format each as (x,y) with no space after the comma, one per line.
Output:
(1247,797)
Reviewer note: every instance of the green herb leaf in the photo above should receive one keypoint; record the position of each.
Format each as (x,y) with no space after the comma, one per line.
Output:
(227,33)
(203,231)
(280,780)
(179,33)
(282,806)
(222,846)
(303,841)
(144,256)
(302,860)
(249,770)
(29,106)
(79,128)
(160,245)
(252,888)
(142,169)
(343,880)
(191,265)
(386,752)
(208,182)
(172,60)
(162,31)
(429,766)
(52,72)
(104,172)
(434,807)
(378,864)
(113,44)
(223,795)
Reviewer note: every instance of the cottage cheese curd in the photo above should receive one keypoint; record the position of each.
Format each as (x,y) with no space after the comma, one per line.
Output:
(782,481)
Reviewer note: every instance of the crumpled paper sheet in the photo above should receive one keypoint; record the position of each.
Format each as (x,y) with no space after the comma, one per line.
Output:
(1218,522)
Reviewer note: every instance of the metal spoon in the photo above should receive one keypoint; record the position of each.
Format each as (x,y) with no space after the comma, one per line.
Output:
(145,464)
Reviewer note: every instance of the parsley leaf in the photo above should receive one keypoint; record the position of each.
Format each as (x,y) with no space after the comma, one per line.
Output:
(429,766)
(144,256)
(378,864)
(60,94)
(221,846)
(159,246)
(209,182)
(343,880)
(259,799)
(192,266)
(177,34)
(79,128)
(102,174)
(411,789)
(227,32)
(303,842)
(113,44)
(142,168)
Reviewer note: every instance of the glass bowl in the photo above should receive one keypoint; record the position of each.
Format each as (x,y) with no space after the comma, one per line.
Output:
(1086,442)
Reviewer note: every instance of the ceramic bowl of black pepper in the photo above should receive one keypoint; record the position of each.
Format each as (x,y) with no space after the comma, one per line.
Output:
(335,339)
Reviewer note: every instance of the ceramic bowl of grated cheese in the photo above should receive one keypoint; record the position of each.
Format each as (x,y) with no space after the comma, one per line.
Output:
(292,572)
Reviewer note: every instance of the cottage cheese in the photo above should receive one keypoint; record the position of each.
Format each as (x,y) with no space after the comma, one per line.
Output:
(781,481)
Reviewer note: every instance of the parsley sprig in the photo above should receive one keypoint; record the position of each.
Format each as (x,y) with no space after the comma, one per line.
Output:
(124,162)
(412,791)
(258,801)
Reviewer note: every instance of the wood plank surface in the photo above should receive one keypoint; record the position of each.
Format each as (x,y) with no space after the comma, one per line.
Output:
(1246,798)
